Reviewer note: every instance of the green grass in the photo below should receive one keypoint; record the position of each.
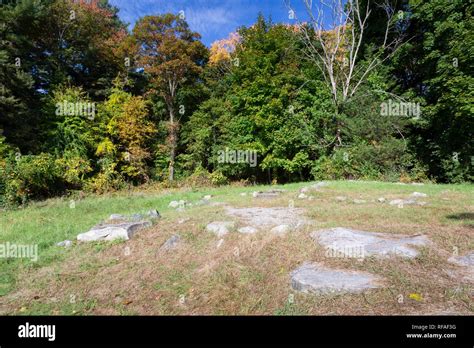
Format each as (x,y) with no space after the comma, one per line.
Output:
(48,222)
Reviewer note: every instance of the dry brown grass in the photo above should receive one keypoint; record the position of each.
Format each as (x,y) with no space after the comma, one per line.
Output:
(249,274)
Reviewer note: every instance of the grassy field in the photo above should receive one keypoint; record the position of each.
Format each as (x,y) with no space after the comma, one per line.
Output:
(248,274)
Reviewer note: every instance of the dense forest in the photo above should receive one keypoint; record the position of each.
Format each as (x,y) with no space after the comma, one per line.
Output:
(88,105)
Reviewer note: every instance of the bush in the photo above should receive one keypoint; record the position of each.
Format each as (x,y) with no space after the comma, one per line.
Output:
(218,179)
(30,177)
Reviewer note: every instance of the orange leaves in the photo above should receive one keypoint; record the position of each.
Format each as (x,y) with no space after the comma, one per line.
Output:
(221,49)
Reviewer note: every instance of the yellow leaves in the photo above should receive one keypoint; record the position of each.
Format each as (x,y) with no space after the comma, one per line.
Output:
(416,297)
(221,50)
(106,147)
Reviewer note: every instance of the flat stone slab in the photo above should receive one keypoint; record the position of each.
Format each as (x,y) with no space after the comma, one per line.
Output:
(247,230)
(418,194)
(113,231)
(281,229)
(403,202)
(348,242)
(319,279)
(153,214)
(463,261)
(220,228)
(266,194)
(268,217)
(465,272)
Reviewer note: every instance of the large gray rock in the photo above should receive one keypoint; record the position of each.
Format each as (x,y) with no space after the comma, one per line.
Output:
(113,231)
(465,272)
(268,217)
(317,278)
(344,241)
(463,261)
(220,228)
(153,214)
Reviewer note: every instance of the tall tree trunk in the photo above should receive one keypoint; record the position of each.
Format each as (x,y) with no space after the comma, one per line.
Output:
(173,139)
(338,126)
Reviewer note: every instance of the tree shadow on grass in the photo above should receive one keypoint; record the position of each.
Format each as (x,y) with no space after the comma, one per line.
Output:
(461,216)
(466,218)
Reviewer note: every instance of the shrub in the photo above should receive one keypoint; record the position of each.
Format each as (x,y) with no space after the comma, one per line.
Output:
(30,177)
(218,179)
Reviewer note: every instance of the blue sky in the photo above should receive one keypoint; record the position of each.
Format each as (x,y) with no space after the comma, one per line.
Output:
(213,19)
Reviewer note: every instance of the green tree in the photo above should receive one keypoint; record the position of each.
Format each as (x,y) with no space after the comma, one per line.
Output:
(171,54)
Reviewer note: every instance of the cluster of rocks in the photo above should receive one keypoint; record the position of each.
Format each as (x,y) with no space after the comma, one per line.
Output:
(181,205)
(412,200)
(343,242)
(305,191)
(276,220)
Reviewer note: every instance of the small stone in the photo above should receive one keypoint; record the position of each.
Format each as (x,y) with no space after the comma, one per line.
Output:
(243,194)
(182,221)
(117,217)
(281,229)
(302,196)
(136,217)
(418,194)
(402,202)
(381,200)
(318,185)
(359,201)
(219,243)
(173,204)
(248,230)
(268,194)
(171,243)
(341,198)
(220,228)
(65,243)
(154,214)
(207,197)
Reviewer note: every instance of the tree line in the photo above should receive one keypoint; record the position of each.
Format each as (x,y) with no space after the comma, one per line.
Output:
(88,105)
